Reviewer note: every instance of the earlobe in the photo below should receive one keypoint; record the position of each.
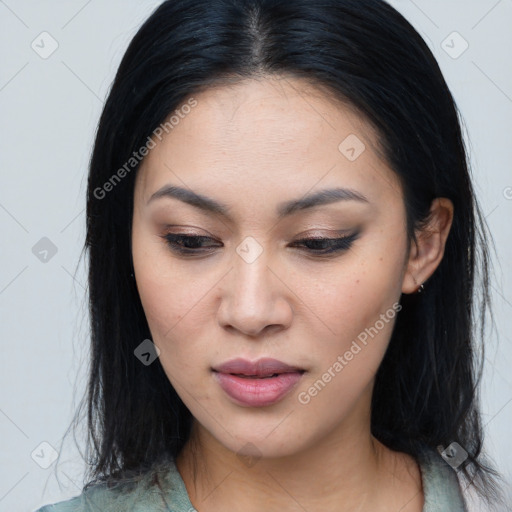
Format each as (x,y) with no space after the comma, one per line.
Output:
(428,250)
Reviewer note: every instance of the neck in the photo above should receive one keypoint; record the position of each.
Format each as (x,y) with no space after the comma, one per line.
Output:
(351,471)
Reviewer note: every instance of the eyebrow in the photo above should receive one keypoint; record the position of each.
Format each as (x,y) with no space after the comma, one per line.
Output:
(209,205)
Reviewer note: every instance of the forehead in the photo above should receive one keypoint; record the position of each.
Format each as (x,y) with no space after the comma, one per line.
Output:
(270,110)
(275,133)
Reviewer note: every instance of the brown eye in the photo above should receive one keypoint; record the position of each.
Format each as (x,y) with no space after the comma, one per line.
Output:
(188,244)
(195,244)
(327,245)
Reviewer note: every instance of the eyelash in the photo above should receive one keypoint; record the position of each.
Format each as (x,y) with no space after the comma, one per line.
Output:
(336,244)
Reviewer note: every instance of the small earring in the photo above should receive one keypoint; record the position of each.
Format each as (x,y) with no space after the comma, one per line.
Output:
(420,289)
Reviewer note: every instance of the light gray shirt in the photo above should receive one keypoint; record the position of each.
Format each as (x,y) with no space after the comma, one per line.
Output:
(441,491)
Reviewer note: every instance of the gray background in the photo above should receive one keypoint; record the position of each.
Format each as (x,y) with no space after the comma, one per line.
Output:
(49,111)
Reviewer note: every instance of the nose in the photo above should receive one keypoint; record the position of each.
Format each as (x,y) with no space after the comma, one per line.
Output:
(255,298)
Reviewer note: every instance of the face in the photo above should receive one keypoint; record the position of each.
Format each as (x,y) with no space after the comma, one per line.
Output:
(250,283)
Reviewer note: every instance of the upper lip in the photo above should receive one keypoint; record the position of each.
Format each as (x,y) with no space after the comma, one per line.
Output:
(261,368)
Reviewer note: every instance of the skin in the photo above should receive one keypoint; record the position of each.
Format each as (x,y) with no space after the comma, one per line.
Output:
(251,146)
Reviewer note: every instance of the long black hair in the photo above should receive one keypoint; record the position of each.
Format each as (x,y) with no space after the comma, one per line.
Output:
(364,53)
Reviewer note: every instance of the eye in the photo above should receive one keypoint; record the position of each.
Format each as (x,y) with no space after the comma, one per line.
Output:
(195,244)
(188,244)
(324,246)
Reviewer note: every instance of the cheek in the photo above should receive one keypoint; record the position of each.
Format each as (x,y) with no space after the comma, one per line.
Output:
(173,310)
(360,312)
(352,296)
(166,295)
(357,303)
(172,306)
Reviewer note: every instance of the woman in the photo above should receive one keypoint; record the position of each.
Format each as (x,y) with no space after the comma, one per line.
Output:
(283,240)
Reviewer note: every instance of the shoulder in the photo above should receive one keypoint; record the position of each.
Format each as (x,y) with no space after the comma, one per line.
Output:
(62,506)
(155,491)
(103,499)
(441,485)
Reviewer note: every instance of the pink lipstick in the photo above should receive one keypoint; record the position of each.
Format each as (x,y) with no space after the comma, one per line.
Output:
(256,384)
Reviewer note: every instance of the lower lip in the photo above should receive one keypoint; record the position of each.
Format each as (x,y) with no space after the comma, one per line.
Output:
(257,392)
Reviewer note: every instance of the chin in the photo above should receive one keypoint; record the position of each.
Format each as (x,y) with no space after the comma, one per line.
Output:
(260,440)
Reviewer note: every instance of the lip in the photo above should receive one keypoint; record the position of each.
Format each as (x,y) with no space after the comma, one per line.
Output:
(261,368)
(257,383)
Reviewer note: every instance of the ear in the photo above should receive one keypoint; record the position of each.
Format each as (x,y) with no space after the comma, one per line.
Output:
(426,254)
